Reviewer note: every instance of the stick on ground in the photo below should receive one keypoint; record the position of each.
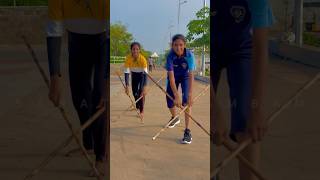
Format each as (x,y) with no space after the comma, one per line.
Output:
(207,87)
(61,109)
(132,102)
(273,115)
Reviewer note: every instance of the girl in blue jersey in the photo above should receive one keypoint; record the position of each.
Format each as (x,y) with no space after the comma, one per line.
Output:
(180,66)
(240,46)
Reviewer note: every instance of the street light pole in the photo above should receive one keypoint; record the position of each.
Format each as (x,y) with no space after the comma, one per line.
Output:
(180,3)
(298,14)
(203,67)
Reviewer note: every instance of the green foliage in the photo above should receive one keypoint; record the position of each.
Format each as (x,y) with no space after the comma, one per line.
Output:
(199,29)
(120,39)
(311,39)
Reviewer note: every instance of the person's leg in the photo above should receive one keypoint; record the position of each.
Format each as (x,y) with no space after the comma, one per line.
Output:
(185,94)
(135,87)
(80,73)
(99,56)
(170,104)
(187,138)
(239,79)
(253,154)
(140,90)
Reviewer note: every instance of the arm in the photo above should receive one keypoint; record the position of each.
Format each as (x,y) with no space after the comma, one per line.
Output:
(259,66)
(54,35)
(262,18)
(191,80)
(192,67)
(173,84)
(126,77)
(257,126)
(144,78)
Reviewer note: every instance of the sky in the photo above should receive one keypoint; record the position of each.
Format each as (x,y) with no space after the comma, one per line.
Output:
(149,20)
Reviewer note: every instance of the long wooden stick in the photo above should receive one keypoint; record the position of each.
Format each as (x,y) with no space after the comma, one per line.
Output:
(147,91)
(67,141)
(132,102)
(248,141)
(228,145)
(61,109)
(247,163)
(181,111)
(186,106)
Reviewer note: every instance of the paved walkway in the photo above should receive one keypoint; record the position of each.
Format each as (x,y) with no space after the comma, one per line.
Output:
(290,150)
(133,153)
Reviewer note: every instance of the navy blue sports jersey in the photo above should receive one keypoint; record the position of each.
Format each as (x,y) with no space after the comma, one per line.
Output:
(181,66)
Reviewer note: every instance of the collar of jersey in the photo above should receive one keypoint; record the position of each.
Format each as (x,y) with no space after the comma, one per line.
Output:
(186,53)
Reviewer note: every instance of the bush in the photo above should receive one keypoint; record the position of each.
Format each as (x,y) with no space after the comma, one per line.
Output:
(311,39)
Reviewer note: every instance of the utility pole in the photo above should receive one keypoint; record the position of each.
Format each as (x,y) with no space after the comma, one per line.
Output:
(298,16)
(203,62)
(179,9)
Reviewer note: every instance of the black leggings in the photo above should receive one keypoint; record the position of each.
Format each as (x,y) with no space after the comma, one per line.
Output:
(87,56)
(138,82)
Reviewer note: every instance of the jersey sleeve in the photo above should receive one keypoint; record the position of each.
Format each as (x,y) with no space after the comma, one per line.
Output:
(127,65)
(191,62)
(169,63)
(54,27)
(261,13)
(144,64)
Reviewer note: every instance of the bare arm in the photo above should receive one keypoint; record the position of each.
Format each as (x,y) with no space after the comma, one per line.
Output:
(173,84)
(257,126)
(259,66)
(191,80)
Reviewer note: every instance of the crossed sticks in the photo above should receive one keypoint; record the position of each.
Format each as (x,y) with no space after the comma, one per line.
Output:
(68,122)
(132,102)
(235,152)
(182,109)
(227,144)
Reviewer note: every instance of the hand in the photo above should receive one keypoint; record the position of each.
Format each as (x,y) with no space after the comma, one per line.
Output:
(102,103)
(127,90)
(220,132)
(55,90)
(144,92)
(257,126)
(177,101)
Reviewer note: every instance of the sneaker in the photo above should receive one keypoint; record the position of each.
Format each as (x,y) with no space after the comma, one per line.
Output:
(187,138)
(174,122)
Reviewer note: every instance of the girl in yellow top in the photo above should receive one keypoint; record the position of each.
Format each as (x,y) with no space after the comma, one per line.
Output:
(86,24)
(136,63)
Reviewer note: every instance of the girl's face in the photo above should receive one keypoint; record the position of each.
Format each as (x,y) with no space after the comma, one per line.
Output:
(135,51)
(178,47)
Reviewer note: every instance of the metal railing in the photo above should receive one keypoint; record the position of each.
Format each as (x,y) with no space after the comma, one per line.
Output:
(117,59)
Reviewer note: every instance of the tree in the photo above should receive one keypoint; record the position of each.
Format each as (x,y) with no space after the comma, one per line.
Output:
(199,29)
(120,39)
